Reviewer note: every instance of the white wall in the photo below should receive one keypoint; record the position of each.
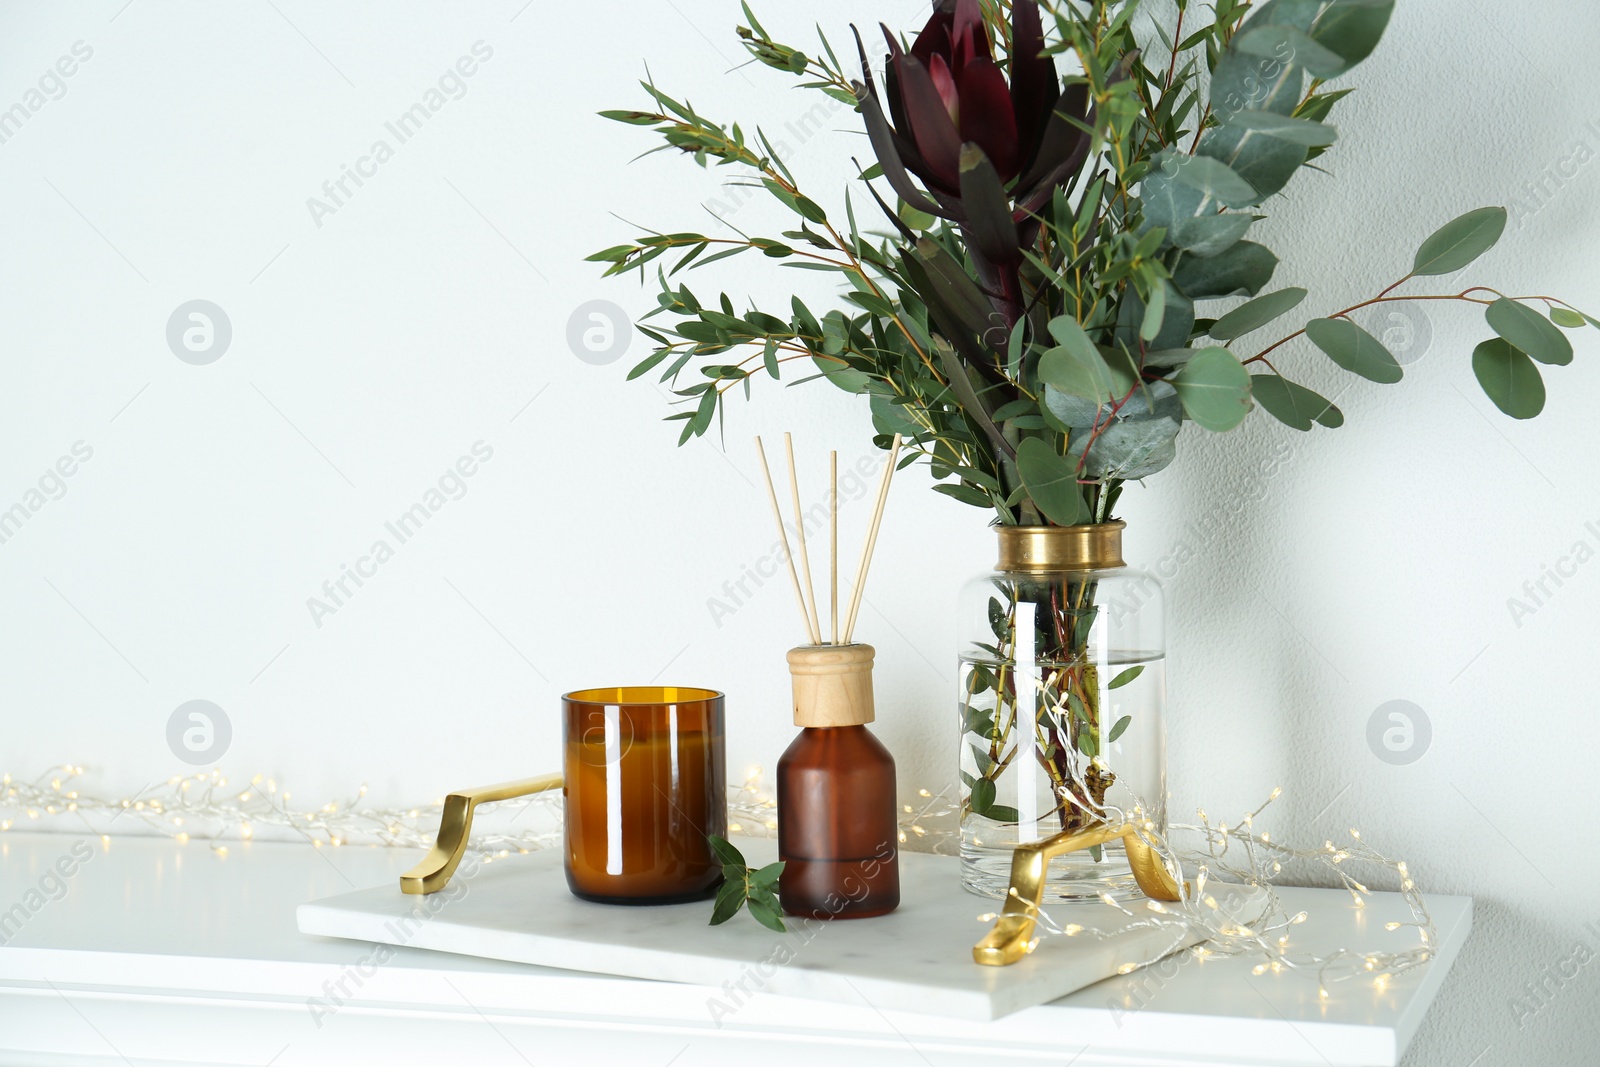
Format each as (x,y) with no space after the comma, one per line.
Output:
(374,347)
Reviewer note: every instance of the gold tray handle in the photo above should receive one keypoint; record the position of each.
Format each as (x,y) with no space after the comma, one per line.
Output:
(1012,935)
(434,872)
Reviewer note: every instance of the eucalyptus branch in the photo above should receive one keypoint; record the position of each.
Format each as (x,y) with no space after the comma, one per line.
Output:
(1463,296)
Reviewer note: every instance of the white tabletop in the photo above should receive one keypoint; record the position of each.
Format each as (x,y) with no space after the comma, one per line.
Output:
(157,952)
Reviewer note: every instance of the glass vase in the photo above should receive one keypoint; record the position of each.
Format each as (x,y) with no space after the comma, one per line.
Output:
(1061,698)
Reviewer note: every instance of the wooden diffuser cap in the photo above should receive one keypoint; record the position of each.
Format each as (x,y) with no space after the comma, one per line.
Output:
(832,685)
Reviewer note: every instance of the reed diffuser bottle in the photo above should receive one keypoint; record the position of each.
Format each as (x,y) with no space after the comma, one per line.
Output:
(838,834)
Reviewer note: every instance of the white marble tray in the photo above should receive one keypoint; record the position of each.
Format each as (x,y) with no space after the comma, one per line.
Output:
(918,958)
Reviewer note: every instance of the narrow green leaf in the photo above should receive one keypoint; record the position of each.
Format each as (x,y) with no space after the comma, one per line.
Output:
(730,898)
(767,877)
(965,493)
(632,118)
(647,363)
(765,910)
(1126,676)
(1154,311)
(725,852)
(1119,728)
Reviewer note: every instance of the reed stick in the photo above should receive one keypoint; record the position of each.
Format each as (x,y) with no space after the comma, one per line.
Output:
(833,539)
(809,601)
(783,535)
(872,541)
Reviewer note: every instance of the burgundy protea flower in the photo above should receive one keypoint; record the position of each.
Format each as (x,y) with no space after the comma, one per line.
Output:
(955,116)
(989,154)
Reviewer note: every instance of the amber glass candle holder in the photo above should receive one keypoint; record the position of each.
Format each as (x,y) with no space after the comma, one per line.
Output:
(646,782)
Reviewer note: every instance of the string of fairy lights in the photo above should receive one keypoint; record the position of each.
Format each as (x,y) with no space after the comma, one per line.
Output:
(1238,863)
(1241,864)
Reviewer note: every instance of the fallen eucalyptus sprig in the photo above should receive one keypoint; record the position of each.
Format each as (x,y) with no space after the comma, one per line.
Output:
(742,887)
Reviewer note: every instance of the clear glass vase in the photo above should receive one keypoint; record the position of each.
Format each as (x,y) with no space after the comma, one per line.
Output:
(1062,698)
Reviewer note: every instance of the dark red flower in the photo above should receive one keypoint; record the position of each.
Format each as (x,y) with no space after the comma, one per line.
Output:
(948,93)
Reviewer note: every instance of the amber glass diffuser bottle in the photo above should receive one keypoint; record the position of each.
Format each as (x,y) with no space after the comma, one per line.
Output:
(838,835)
(645,784)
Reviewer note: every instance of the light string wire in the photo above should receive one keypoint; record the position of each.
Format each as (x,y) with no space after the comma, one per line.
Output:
(1242,865)
(1238,862)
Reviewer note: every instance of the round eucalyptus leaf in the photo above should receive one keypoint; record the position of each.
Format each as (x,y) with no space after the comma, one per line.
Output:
(1272,41)
(1256,313)
(1152,400)
(1530,331)
(1568,318)
(1509,377)
(1215,389)
(1074,412)
(1291,403)
(1244,268)
(1052,481)
(1130,450)
(1354,349)
(1212,177)
(1299,131)
(1077,371)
